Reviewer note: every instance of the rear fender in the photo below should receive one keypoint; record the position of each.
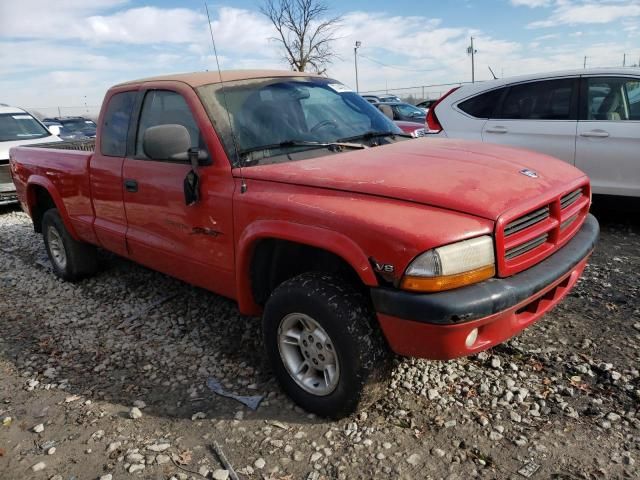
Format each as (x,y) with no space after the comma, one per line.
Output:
(38,180)
(329,240)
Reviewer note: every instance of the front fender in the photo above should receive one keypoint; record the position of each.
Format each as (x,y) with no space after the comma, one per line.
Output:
(329,240)
(40,181)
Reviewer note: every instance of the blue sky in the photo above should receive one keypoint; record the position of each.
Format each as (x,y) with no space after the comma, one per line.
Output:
(68,52)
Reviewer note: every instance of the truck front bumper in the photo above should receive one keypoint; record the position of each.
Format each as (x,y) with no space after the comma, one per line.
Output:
(467,320)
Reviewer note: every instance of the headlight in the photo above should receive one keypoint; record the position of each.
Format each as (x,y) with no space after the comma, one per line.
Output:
(451,266)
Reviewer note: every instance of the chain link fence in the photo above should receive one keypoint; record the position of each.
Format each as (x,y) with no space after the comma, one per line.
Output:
(89,111)
(417,94)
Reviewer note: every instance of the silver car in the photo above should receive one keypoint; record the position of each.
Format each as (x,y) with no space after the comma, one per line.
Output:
(589,118)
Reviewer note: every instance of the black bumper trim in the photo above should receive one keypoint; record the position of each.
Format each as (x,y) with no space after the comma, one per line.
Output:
(491,296)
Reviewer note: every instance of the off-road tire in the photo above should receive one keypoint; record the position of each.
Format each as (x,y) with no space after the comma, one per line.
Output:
(365,360)
(81,259)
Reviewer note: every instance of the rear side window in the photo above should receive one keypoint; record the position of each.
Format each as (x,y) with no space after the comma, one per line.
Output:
(113,140)
(546,100)
(163,107)
(612,99)
(482,106)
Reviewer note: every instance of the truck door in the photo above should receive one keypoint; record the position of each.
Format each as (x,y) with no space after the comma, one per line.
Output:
(195,242)
(105,172)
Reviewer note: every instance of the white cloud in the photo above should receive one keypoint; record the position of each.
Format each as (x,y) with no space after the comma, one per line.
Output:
(530,3)
(96,21)
(50,19)
(589,13)
(77,49)
(146,25)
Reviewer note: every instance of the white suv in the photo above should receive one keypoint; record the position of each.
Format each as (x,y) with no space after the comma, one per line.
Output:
(17,127)
(589,118)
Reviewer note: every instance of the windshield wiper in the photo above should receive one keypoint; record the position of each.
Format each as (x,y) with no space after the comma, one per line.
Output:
(372,134)
(302,143)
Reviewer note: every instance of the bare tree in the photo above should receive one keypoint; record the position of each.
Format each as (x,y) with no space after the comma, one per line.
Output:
(304,32)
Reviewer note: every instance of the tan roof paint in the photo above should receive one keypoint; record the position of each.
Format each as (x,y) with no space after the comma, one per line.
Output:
(197,79)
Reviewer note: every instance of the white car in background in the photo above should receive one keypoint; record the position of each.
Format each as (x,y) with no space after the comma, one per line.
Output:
(17,127)
(589,118)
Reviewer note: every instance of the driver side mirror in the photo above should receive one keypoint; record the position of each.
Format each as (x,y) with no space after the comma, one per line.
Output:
(166,142)
(173,142)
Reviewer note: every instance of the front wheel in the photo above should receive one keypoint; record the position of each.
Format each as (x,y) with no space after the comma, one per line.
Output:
(323,343)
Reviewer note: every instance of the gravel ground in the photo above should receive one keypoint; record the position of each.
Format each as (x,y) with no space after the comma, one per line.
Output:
(106,379)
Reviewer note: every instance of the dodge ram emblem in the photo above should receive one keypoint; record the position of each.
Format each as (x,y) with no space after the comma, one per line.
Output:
(529,173)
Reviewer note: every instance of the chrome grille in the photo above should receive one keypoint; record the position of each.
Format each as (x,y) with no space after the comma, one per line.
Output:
(570,198)
(568,221)
(526,221)
(526,247)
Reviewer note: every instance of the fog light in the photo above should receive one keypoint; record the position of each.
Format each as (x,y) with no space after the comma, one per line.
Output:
(471,338)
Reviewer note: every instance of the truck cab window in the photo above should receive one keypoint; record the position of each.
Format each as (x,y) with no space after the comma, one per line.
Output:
(115,125)
(163,107)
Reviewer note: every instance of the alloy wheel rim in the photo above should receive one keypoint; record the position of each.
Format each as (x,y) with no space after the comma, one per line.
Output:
(56,247)
(308,354)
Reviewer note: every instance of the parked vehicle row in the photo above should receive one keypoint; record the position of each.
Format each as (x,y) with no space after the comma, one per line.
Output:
(17,127)
(293,195)
(72,128)
(588,118)
(426,104)
(382,98)
(400,111)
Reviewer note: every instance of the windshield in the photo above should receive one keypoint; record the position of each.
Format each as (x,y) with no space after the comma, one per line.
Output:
(20,126)
(409,110)
(277,116)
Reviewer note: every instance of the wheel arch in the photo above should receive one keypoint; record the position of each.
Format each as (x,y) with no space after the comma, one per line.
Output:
(41,196)
(264,242)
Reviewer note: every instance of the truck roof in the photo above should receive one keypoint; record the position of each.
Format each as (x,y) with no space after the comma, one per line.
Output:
(197,79)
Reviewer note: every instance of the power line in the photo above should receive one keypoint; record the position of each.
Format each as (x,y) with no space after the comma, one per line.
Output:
(397,67)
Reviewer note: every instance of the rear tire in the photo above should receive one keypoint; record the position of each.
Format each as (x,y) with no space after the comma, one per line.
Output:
(324,345)
(71,260)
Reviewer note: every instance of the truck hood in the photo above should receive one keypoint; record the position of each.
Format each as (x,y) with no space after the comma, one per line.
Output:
(476,178)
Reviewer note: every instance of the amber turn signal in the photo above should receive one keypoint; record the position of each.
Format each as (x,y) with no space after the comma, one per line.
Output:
(447,282)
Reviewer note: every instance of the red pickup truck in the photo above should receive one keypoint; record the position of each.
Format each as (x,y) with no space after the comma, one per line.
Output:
(294,196)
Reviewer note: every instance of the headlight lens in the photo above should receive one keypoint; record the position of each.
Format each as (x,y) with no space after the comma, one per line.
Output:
(451,266)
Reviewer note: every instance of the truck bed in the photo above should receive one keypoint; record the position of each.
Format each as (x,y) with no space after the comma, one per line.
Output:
(61,168)
(88,145)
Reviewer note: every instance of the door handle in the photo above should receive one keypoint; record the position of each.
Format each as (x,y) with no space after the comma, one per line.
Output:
(595,133)
(497,129)
(131,185)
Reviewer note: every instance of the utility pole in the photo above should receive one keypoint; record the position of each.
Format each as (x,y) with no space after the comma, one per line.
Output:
(585,62)
(624,59)
(355,59)
(471,51)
